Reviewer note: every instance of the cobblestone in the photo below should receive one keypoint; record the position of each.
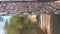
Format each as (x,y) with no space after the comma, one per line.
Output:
(17,7)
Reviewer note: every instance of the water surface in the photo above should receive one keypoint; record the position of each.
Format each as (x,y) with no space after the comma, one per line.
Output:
(2,23)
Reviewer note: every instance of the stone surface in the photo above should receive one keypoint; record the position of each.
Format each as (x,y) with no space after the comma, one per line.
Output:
(18,7)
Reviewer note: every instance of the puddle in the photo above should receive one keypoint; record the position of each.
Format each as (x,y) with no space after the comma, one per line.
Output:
(2,23)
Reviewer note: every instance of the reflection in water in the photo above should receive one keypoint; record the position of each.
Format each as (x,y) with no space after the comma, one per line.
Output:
(21,25)
(2,23)
(1,19)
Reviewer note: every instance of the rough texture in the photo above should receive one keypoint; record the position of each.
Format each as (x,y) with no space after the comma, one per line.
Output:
(18,7)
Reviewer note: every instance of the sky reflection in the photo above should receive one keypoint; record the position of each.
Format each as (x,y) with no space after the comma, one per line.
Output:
(3,23)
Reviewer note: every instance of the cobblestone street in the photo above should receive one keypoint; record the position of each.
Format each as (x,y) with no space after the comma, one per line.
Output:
(19,7)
